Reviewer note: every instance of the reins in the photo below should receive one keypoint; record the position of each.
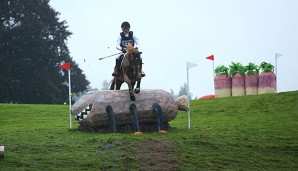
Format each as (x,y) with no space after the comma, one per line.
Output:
(133,66)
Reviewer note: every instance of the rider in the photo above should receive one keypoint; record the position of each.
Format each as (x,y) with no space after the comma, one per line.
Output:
(124,38)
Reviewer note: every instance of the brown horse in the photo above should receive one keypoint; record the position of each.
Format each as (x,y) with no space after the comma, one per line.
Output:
(130,72)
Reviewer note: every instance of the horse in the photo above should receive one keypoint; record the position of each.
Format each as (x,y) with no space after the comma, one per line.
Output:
(130,72)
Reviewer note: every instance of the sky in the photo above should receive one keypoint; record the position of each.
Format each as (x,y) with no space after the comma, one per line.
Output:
(174,32)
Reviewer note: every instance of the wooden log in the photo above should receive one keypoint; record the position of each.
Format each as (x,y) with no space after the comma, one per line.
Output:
(182,103)
(90,109)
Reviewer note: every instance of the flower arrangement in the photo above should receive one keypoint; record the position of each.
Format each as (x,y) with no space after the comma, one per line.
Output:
(266,67)
(236,67)
(221,69)
(251,68)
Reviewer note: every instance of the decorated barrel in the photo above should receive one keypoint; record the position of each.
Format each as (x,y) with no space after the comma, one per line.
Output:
(267,83)
(223,85)
(251,84)
(91,109)
(238,84)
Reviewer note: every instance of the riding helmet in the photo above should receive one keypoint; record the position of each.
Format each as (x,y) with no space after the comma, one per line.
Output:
(125,24)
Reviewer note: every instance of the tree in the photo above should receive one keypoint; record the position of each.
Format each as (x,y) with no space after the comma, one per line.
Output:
(105,85)
(173,93)
(183,91)
(77,96)
(32,46)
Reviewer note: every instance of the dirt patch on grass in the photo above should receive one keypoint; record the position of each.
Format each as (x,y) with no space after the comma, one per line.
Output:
(157,155)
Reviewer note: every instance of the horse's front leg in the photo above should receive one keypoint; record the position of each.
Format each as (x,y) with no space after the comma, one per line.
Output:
(131,94)
(133,83)
(130,89)
(138,88)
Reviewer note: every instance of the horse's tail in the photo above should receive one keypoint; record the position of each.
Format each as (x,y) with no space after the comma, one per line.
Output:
(113,84)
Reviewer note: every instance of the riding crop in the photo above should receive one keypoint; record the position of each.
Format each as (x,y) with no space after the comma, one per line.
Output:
(110,55)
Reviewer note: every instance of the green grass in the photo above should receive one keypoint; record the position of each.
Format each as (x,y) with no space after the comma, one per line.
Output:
(235,133)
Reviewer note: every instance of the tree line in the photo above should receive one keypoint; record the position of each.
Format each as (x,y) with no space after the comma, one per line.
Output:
(33,43)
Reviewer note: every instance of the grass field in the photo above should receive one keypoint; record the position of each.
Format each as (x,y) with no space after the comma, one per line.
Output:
(235,133)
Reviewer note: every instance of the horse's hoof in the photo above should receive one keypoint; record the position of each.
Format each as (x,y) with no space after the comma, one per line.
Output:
(137,90)
(132,98)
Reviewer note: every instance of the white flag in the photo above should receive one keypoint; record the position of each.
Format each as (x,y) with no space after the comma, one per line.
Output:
(277,55)
(190,65)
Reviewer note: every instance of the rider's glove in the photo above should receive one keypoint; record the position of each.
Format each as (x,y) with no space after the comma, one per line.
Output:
(123,50)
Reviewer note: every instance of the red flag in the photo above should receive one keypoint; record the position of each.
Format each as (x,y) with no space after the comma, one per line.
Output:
(210,57)
(65,66)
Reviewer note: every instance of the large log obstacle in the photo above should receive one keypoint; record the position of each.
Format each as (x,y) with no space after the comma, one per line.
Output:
(113,110)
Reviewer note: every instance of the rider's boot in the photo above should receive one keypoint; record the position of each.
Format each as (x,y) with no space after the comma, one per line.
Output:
(118,64)
(116,69)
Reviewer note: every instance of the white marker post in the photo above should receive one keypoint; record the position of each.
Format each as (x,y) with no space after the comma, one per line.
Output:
(188,66)
(277,55)
(1,151)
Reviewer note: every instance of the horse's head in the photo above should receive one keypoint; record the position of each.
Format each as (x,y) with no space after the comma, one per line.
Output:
(134,57)
(131,70)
